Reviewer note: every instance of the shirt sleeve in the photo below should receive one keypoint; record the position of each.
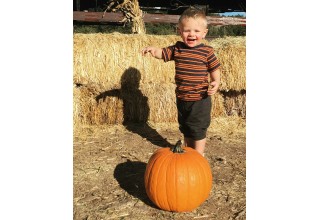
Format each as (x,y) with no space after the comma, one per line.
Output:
(167,53)
(213,62)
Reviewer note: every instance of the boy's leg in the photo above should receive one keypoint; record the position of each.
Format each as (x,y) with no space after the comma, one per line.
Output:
(188,142)
(198,145)
(194,118)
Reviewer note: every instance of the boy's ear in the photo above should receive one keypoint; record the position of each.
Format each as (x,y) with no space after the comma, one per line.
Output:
(178,30)
(205,33)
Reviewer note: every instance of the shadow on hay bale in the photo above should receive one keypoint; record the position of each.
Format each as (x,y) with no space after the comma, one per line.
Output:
(135,107)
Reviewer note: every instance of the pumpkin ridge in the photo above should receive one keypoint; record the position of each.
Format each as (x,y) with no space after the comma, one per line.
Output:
(166,163)
(193,169)
(152,175)
(207,188)
(170,201)
(161,159)
(202,189)
(149,167)
(182,170)
(197,168)
(175,182)
(188,184)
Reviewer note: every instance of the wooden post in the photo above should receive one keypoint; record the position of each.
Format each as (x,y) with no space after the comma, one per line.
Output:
(78,5)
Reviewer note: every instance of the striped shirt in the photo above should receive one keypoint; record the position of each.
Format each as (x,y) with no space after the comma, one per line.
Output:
(192,66)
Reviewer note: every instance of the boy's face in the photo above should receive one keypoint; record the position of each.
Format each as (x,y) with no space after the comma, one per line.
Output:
(192,31)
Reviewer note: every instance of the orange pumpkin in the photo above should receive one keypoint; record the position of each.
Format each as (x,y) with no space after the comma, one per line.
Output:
(178,179)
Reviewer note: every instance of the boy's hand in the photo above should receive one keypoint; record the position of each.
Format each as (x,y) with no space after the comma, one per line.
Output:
(154,51)
(147,50)
(213,87)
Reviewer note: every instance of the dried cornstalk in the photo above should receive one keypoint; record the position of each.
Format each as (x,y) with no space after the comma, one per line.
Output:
(131,12)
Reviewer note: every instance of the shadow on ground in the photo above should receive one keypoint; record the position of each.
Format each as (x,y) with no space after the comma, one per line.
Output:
(130,176)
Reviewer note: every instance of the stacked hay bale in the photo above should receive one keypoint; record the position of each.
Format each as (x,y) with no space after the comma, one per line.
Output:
(114,83)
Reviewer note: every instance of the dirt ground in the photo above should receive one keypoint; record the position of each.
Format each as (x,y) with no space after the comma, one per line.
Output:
(110,160)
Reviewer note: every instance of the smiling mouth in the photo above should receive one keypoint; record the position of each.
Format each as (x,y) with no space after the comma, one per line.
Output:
(191,40)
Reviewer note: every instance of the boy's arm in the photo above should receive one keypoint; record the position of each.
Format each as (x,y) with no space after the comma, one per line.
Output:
(215,82)
(154,51)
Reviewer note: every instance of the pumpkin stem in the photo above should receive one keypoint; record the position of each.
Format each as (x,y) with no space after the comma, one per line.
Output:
(177,148)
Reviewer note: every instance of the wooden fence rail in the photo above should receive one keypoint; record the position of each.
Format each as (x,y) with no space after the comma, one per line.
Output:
(116,17)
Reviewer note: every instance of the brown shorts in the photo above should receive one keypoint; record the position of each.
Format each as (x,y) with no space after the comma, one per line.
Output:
(194,117)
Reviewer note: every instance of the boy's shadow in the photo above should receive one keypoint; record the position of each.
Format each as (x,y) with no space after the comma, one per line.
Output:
(135,107)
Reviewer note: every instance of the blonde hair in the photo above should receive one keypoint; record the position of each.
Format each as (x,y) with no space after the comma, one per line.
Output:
(195,14)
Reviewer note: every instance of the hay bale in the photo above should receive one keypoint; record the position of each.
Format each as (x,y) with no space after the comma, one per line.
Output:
(123,105)
(234,103)
(114,84)
(232,55)
(218,108)
(161,101)
(88,110)
(102,58)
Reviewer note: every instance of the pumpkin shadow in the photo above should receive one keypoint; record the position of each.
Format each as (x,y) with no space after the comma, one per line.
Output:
(130,176)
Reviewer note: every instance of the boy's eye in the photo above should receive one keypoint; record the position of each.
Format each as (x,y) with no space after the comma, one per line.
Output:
(186,31)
